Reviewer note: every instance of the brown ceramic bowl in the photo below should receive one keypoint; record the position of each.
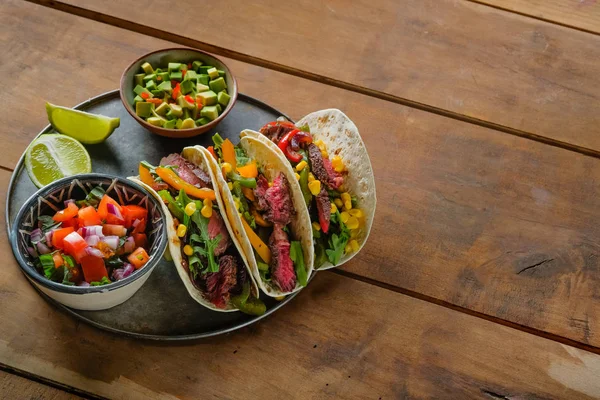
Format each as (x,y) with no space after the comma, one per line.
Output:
(160,59)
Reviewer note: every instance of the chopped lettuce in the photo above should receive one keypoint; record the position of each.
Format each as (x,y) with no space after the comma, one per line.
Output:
(297,257)
(337,242)
(103,281)
(47,223)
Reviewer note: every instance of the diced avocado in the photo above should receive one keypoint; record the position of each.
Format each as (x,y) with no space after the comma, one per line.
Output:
(143,109)
(187,123)
(139,79)
(176,110)
(176,76)
(157,93)
(166,86)
(163,77)
(184,104)
(169,115)
(203,79)
(203,69)
(223,98)
(147,68)
(174,67)
(186,113)
(200,87)
(149,77)
(209,112)
(137,99)
(150,85)
(158,71)
(155,121)
(178,123)
(191,76)
(139,90)
(170,124)
(196,65)
(207,98)
(186,86)
(221,72)
(162,109)
(219,108)
(184,67)
(213,73)
(217,85)
(202,121)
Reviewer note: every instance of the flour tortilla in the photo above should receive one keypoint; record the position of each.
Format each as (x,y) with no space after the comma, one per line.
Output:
(341,137)
(193,155)
(300,229)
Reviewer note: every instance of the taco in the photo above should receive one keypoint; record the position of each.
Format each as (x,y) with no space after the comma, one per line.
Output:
(267,212)
(336,179)
(208,257)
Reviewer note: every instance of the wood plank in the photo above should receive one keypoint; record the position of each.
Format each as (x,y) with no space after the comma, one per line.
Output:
(463,211)
(16,387)
(579,14)
(470,59)
(340,338)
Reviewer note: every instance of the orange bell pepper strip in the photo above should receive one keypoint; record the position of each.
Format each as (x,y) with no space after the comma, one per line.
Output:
(261,248)
(228,153)
(249,170)
(248,193)
(145,175)
(170,177)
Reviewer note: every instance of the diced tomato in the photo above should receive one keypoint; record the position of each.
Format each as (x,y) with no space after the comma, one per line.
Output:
(114,220)
(93,268)
(141,240)
(67,213)
(58,260)
(141,226)
(138,258)
(89,216)
(132,212)
(73,223)
(74,244)
(117,230)
(102,207)
(58,236)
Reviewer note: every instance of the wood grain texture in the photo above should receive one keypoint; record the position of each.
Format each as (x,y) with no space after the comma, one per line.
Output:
(340,338)
(463,213)
(460,56)
(16,387)
(578,14)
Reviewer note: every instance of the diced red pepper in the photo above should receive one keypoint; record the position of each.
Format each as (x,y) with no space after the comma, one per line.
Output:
(154,101)
(144,95)
(93,268)
(183,72)
(189,99)
(211,150)
(284,145)
(59,234)
(176,91)
(189,65)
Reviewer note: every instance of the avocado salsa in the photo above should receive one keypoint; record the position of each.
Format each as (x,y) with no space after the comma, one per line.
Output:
(181,96)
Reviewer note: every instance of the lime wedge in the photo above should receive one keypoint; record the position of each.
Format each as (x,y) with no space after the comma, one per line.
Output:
(53,156)
(85,127)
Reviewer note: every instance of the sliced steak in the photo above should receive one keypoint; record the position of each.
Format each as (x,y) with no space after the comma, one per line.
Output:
(276,132)
(282,267)
(158,186)
(323,209)
(219,284)
(260,192)
(187,171)
(322,169)
(335,178)
(216,226)
(280,202)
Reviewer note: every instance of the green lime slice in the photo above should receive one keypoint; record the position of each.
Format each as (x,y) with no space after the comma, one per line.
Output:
(53,156)
(85,127)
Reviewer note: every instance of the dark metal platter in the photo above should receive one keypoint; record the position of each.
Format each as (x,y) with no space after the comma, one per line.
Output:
(162,308)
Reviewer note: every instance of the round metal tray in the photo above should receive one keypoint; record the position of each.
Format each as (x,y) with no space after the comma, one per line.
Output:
(162,308)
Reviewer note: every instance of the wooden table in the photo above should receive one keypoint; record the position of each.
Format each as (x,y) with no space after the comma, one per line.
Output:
(481,278)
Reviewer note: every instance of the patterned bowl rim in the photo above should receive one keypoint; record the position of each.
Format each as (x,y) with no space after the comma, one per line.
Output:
(34,275)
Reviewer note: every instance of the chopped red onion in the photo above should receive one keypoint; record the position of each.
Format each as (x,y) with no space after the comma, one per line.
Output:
(111,241)
(83,284)
(94,252)
(49,237)
(67,202)
(36,235)
(92,230)
(92,240)
(32,252)
(42,248)
(129,245)
(112,209)
(122,273)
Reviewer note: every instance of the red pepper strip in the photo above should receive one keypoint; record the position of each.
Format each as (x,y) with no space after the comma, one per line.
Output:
(144,95)
(211,150)
(189,65)
(176,91)
(299,138)
(273,123)
(189,99)
(183,72)
(284,145)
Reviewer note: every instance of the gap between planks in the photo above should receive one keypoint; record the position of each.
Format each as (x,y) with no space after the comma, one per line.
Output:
(182,40)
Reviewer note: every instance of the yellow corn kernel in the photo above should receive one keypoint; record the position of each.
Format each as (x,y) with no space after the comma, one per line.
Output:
(348,248)
(279,298)
(354,244)
(352,223)
(345,216)
(297,175)
(316,226)
(354,233)
(188,250)
(356,212)
(320,144)
(348,205)
(270,184)
(339,203)
(181,230)
(226,167)
(314,187)
(190,209)
(337,163)
(311,177)
(333,208)
(207,202)
(230,185)
(346,197)
(301,165)
(206,212)
(236,201)
(324,153)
